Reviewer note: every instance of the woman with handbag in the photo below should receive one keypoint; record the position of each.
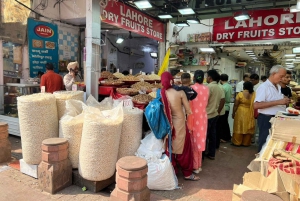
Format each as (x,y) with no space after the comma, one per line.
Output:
(181,142)
(243,115)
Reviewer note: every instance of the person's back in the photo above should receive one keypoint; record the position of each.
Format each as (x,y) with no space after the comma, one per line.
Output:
(51,80)
(215,95)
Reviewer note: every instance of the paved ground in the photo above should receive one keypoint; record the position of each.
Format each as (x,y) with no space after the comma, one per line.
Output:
(217,179)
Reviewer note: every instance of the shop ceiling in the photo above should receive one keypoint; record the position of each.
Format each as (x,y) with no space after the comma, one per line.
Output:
(208,9)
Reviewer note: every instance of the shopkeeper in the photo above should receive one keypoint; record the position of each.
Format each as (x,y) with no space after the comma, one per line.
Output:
(72,76)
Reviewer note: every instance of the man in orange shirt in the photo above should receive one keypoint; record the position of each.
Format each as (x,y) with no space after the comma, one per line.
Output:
(51,80)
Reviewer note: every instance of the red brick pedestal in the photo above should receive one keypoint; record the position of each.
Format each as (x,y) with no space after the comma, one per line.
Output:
(5,146)
(255,195)
(55,170)
(131,180)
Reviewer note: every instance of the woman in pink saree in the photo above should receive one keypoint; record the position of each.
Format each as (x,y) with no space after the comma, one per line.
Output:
(197,121)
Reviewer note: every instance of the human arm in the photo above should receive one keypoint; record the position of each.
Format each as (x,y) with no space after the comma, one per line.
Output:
(221,105)
(43,81)
(262,105)
(68,82)
(235,106)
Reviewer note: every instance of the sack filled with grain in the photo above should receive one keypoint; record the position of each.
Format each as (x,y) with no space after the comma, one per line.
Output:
(62,96)
(131,132)
(100,143)
(38,121)
(73,108)
(106,104)
(71,128)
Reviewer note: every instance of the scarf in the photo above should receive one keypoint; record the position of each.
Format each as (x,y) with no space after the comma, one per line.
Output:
(166,78)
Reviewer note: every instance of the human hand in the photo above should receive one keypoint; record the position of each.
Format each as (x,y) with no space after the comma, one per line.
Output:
(233,115)
(72,72)
(284,101)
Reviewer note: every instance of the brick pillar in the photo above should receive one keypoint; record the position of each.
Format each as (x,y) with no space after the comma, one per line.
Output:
(5,146)
(55,170)
(131,179)
(256,195)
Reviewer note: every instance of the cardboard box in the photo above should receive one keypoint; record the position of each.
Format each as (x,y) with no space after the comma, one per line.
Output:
(279,183)
(286,130)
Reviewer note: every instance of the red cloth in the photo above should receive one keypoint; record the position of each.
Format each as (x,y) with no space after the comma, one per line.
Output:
(283,162)
(106,91)
(52,82)
(185,160)
(166,78)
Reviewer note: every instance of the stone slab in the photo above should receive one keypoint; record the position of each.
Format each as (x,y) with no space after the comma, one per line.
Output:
(119,195)
(54,141)
(55,177)
(93,186)
(30,170)
(132,163)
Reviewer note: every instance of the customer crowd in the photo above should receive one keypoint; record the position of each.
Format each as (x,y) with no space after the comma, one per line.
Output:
(200,126)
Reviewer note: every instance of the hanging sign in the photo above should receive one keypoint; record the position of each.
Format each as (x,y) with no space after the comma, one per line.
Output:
(123,16)
(42,46)
(263,25)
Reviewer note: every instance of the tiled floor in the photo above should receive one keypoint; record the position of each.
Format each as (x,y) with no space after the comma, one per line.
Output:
(217,179)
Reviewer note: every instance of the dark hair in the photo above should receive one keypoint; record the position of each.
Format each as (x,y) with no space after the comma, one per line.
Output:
(224,77)
(199,76)
(263,77)
(103,69)
(246,75)
(214,75)
(289,72)
(254,77)
(40,73)
(125,72)
(248,86)
(185,76)
(49,66)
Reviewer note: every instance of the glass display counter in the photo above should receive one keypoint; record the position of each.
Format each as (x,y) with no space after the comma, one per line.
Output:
(9,107)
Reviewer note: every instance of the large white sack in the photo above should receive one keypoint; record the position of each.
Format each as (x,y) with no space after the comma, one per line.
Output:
(62,96)
(150,148)
(71,125)
(161,175)
(38,121)
(73,108)
(131,132)
(106,104)
(100,143)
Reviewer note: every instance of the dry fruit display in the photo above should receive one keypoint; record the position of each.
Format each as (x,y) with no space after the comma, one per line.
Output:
(106,74)
(118,75)
(142,99)
(127,91)
(142,86)
(111,82)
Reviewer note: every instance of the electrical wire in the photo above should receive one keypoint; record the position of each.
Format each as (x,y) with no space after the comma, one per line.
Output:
(43,3)
(55,20)
(57,2)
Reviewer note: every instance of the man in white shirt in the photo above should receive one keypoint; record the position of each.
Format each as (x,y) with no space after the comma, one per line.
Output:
(269,100)
(254,78)
(72,76)
(240,85)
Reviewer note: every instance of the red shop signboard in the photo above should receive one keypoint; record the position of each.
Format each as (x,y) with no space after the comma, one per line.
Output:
(263,25)
(126,17)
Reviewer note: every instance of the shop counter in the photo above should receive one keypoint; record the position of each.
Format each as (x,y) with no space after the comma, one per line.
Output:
(8,103)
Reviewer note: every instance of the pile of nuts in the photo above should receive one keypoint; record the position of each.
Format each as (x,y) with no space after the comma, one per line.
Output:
(118,75)
(129,78)
(127,91)
(157,85)
(112,82)
(142,86)
(142,98)
(154,77)
(106,74)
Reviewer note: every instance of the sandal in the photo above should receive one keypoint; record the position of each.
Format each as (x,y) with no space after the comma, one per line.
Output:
(192,178)
(210,157)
